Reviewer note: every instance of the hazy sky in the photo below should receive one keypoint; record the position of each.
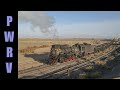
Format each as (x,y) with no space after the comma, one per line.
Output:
(74,24)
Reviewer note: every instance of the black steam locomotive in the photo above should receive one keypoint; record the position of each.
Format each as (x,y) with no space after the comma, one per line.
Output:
(64,53)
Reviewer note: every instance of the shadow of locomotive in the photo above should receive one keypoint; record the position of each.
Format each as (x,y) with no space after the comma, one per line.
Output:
(42,58)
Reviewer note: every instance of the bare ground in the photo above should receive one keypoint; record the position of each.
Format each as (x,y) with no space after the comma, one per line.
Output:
(39,57)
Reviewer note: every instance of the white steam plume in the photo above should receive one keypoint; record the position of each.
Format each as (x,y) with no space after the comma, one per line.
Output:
(38,19)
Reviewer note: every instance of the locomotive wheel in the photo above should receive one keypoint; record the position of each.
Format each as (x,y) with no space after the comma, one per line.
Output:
(73,58)
(70,59)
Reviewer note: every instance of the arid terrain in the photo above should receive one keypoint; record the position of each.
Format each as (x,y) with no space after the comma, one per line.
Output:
(34,52)
(39,56)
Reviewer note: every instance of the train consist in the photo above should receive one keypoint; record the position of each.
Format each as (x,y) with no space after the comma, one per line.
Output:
(64,53)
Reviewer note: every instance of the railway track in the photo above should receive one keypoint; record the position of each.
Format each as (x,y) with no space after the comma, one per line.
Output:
(39,69)
(63,70)
(31,70)
(74,67)
(42,72)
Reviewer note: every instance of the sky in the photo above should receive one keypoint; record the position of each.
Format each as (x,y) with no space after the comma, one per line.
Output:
(72,24)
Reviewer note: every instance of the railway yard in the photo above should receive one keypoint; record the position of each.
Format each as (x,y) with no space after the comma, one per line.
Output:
(33,62)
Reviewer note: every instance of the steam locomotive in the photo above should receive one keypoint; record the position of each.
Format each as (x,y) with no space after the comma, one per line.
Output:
(64,53)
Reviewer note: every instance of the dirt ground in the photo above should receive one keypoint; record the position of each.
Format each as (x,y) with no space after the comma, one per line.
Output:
(40,55)
(32,59)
